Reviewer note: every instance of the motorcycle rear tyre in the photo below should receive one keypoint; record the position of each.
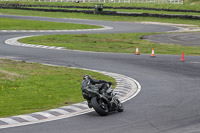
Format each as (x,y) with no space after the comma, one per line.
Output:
(98,108)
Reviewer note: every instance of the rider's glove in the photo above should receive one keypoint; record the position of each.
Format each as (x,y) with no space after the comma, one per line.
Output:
(100,96)
(110,83)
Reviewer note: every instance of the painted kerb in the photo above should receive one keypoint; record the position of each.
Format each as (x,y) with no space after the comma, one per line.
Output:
(126,89)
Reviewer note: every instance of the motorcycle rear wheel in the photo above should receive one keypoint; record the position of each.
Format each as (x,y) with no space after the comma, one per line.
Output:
(101,110)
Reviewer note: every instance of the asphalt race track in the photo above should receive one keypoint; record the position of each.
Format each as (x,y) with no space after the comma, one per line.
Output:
(186,39)
(167,103)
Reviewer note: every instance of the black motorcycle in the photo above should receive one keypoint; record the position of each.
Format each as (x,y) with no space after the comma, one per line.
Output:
(103,103)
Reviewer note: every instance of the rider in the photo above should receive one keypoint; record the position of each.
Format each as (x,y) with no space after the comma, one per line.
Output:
(90,84)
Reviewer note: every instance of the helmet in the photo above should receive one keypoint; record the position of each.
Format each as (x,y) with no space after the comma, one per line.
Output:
(87,77)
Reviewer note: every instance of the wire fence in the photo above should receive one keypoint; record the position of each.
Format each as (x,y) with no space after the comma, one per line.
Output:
(110,1)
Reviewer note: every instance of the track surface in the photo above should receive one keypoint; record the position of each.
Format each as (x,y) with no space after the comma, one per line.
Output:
(186,39)
(168,102)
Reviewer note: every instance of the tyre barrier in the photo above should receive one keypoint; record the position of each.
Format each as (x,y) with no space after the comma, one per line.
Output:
(194,17)
(106,7)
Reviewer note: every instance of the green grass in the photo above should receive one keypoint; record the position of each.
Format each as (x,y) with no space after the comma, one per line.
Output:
(192,2)
(117,43)
(18,24)
(152,11)
(31,87)
(189,4)
(97,17)
(126,10)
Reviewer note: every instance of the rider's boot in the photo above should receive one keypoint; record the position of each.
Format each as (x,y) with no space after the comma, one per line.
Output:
(89,104)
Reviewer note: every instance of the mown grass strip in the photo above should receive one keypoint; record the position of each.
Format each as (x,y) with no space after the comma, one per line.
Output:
(150,11)
(31,87)
(125,10)
(18,24)
(98,17)
(117,43)
(189,4)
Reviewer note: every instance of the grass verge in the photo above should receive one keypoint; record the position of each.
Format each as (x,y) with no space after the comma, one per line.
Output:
(151,11)
(18,24)
(127,10)
(189,4)
(31,87)
(117,43)
(98,17)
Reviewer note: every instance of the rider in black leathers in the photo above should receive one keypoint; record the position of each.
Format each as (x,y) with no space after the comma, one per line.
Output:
(90,84)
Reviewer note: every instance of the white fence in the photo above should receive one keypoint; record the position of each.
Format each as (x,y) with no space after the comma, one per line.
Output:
(110,1)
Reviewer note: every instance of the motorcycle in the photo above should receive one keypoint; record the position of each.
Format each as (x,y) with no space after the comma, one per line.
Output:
(103,103)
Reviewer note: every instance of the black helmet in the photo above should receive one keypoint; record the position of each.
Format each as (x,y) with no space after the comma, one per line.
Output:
(87,77)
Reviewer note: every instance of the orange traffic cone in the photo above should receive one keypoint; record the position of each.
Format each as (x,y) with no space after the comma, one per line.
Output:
(182,57)
(137,51)
(152,54)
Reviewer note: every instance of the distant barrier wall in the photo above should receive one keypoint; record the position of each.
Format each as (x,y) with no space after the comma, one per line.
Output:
(110,1)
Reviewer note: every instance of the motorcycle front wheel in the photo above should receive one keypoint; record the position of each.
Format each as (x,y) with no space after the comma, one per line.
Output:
(99,106)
